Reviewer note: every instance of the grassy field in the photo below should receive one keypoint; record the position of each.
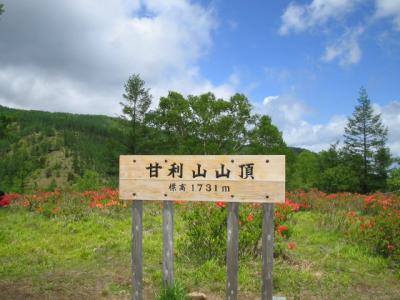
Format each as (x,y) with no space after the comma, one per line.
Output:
(87,255)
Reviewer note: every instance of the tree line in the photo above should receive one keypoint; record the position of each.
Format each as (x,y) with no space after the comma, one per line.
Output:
(195,124)
(204,124)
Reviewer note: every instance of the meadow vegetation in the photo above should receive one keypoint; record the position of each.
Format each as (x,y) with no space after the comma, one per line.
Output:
(69,245)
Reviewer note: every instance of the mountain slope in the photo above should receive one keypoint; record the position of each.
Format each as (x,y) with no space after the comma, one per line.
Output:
(46,150)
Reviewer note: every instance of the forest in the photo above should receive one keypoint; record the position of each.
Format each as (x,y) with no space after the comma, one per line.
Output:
(48,151)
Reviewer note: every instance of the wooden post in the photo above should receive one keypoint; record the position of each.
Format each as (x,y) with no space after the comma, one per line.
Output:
(168,244)
(267,250)
(137,263)
(232,250)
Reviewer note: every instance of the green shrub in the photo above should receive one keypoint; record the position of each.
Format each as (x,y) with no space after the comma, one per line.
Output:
(90,181)
(393,181)
(205,237)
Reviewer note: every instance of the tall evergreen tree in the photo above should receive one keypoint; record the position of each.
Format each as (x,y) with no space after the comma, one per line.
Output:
(365,140)
(1,8)
(134,108)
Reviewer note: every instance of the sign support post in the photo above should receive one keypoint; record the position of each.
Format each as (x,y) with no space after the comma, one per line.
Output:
(137,263)
(168,244)
(232,250)
(267,250)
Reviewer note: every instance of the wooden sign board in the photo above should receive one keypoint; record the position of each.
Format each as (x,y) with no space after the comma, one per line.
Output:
(228,178)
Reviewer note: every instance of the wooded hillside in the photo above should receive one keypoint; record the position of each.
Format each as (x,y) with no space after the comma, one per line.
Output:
(45,151)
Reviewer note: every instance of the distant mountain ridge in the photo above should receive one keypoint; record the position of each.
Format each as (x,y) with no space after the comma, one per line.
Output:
(298,150)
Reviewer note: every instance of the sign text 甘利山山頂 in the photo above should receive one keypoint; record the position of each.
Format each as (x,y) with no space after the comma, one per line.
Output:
(231,178)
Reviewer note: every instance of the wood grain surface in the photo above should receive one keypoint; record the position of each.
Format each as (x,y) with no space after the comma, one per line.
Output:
(230,178)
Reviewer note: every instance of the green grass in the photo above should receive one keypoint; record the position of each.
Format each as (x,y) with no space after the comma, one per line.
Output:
(175,292)
(62,258)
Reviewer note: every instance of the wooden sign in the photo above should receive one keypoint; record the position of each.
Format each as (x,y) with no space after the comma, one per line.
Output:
(230,178)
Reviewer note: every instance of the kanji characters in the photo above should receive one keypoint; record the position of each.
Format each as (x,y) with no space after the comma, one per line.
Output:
(246,170)
(154,169)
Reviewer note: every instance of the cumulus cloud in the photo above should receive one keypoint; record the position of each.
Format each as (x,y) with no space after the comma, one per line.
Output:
(318,14)
(76,56)
(324,16)
(391,118)
(300,17)
(268,99)
(346,49)
(390,9)
(290,115)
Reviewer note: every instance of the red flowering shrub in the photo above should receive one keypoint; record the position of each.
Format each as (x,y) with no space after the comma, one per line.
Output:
(373,220)
(207,223)
(5,200)
(283,231)
(72,205)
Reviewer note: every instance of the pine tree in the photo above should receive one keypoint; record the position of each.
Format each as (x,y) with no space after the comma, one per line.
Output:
(137,103)
(365,141)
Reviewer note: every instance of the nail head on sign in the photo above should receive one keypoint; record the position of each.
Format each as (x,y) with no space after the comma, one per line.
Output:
(267,161)
(165,195)
(134,160)
(166,160)
(232,196)
(134,194)
(232,161)
(267,196)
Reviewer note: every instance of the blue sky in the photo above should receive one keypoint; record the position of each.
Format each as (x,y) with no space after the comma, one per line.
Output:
(249,44)
(301,62)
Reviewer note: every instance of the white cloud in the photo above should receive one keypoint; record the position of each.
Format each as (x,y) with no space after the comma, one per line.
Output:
(76,56)
(268,99)
(300,17)
(285,110)
(346,49)
(389,8)
(294,18)
(391,118)
(318,15)
(290,114)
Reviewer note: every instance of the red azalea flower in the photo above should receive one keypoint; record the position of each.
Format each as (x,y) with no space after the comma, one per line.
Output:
(250,218)
(220,204)
(291,246)
(282,230)
(5,200)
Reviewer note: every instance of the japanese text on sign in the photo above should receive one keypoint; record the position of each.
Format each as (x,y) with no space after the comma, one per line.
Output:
(241,178)
(246,171)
